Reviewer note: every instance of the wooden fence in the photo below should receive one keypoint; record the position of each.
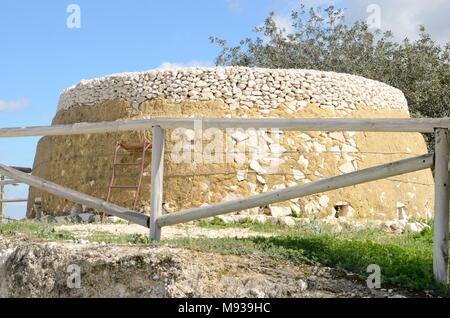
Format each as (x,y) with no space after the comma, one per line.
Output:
(439,160)
(7,182)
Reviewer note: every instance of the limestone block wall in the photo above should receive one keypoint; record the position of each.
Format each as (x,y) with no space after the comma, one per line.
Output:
(249,162)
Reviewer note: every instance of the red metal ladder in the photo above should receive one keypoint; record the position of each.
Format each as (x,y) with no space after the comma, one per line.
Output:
(142,148)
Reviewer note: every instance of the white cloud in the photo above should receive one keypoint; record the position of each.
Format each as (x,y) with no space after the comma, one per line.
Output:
(283,11)
(284,22)
(403,17)
(14,105)
(234,6)
(171,65)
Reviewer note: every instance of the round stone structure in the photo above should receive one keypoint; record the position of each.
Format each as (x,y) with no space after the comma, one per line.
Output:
(231,164)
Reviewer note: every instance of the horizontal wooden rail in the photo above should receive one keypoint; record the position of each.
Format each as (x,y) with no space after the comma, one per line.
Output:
(76,197)
(426,125)
(14,200)
(23,169)
(324,185)
(8,182)
(8,219)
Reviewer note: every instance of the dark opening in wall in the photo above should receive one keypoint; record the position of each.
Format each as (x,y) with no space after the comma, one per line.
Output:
(338,209)
(343,209)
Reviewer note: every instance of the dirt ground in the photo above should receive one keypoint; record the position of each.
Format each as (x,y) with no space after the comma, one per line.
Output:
(44,269)
(32,269)
(169,232)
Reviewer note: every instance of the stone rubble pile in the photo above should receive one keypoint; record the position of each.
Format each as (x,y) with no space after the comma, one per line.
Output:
(329,224)
(262,89)
(77,215)
(78,218)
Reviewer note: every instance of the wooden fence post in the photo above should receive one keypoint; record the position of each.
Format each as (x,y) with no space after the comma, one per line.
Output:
(441,209)
(157,181)
(2,178)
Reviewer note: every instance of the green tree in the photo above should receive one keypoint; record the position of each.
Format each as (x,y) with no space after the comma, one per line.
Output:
(321,39)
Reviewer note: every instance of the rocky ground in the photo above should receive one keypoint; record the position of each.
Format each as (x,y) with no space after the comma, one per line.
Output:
(46,269)
(330,224)
(170,232)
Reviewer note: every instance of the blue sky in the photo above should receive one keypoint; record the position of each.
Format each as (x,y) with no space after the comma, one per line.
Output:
(40,55)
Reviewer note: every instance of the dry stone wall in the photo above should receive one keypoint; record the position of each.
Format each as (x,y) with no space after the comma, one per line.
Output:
(249,162)
(263,89)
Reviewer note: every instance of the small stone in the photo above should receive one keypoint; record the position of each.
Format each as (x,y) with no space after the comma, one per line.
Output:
(347,168)
(257,293)
(226,219)
(113,219)
(94,218)
(349,149)
(312,208)
(76,209)
(298,175)
(303,162)
(242,175)
(260,219)
(397,296)
(254,165)
(239,136)
(260,179)
(305,137)
(319,148)
(168,208)
(324,200)
(287,221)
(295,209)
(412,228)
(266,138)
(397,226)
(49,219)
(61,219)
(277,148)
(302,285)
(339,136)
(85,217)
(278,211)
(201,84)
(400,205)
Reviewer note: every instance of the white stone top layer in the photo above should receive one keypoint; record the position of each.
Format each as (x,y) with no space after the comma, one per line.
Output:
(244,87)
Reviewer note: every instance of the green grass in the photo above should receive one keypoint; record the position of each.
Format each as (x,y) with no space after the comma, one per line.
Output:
(39,231)
(118,238)
(405,260)
(48,232)
(216,224)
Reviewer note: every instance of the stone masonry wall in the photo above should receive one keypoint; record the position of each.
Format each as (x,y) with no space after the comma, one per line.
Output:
(263,89)
(289,158)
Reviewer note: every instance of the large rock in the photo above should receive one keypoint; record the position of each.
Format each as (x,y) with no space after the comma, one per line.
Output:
(279,211)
